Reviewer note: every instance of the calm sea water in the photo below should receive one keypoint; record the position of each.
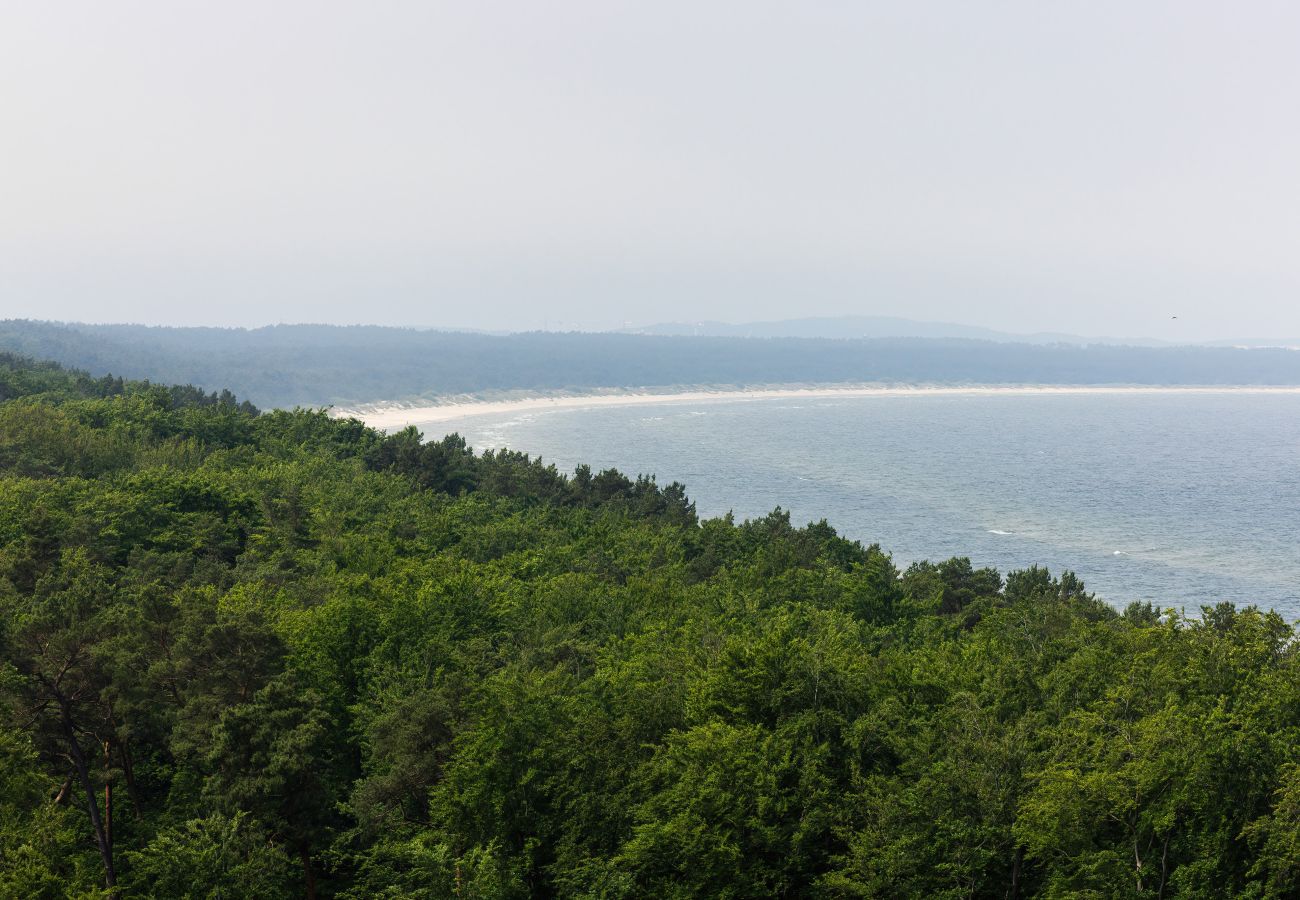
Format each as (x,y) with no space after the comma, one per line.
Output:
(1182,499)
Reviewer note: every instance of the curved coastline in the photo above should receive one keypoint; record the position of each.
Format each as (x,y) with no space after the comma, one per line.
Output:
(387,416)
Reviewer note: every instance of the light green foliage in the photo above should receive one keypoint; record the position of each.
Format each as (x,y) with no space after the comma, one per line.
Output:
(222,857)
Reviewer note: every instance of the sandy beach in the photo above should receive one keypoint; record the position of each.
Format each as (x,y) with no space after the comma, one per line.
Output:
(393,416)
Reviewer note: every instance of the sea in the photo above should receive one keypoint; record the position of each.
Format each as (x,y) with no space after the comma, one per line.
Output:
(1180,499)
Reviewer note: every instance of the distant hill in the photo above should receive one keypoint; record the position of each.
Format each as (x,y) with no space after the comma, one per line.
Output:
(848,327)
(316,365)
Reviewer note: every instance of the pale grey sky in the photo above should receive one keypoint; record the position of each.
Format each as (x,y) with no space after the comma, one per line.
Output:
(1094,167)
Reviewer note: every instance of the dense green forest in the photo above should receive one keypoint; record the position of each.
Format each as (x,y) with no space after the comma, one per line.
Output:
(318,365)
(283,655)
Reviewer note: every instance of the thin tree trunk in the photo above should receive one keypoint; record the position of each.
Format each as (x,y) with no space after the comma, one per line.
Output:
(108,794)
(1137,862)
(1016,862)
(92,806)
(1164,868)
(304,853)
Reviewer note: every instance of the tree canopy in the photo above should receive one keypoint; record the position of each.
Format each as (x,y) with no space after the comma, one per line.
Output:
(282,654)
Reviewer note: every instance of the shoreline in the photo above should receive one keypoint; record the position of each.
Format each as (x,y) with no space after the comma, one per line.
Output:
(387,416)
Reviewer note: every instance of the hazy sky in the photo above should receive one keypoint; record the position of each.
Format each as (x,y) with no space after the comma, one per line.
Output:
(1092,167)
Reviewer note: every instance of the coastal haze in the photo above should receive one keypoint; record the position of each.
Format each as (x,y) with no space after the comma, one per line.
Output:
(347,367)
(1096,169)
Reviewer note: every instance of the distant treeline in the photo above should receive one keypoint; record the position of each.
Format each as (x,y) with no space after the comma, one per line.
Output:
(289,365)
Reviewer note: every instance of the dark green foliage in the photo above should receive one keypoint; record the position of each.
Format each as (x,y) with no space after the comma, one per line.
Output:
(283,655)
